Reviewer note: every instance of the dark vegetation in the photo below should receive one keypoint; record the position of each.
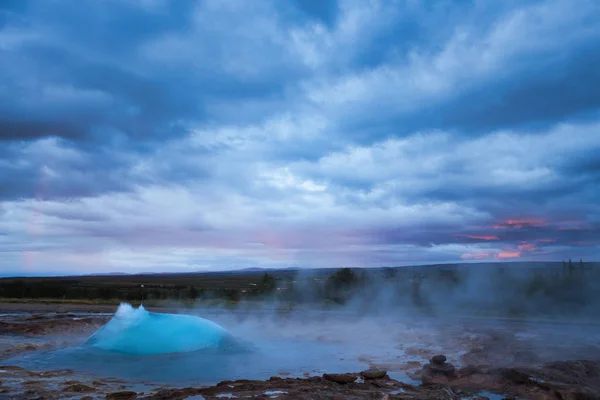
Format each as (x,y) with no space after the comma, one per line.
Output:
(508,289)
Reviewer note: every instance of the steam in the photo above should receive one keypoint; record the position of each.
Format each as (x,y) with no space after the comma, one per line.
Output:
(314,322)
(395,320)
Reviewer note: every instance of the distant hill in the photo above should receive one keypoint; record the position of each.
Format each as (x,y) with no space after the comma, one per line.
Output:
(259,269)
(109,274)
(255,271)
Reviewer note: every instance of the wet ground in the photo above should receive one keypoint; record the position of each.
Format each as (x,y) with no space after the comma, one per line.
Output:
(308,355)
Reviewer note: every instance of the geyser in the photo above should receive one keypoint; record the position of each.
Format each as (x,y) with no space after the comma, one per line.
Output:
(137,331)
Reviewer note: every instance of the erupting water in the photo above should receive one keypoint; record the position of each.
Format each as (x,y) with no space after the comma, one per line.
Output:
(137,331)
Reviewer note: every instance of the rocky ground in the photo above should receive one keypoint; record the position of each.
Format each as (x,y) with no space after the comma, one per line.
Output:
(490,364)
(571,380)
(56,307)
(21,333)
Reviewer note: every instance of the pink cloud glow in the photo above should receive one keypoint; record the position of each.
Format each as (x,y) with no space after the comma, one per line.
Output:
(520,223)
(475,256)
(527,246)
(508,254)
(573,228)
(482,237)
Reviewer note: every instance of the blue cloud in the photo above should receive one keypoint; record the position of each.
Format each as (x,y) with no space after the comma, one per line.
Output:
(201,134)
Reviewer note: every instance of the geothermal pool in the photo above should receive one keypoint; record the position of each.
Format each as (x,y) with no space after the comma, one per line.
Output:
(207,346)
(186,349)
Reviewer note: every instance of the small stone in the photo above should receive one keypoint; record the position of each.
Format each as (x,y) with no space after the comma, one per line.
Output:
(126,395)
(515,376)
(374,373)
(340,378)
(439,359)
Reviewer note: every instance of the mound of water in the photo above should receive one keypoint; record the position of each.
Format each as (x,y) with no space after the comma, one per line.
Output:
(137,331)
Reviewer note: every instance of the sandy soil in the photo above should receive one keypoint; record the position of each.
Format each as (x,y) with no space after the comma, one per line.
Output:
(35,307)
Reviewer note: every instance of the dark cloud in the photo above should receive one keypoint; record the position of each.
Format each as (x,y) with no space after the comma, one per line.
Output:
(585,166)
(25,130)
(325,11)
(532,99)
(76,215)
(87,76)
(537,97)
(51,169)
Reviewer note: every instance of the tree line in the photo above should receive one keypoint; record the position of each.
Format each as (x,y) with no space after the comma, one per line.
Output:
(565,288)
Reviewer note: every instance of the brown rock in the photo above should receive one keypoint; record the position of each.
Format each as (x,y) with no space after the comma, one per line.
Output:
(184,393)
(374,373)
(12,368)
(515,376)
(437,373)
(340,378)
(444,369)
(439,359)
(79,388)
(126,395)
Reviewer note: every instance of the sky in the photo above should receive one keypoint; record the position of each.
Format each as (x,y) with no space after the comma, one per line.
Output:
(156,135)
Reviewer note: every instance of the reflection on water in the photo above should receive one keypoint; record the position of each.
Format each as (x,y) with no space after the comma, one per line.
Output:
(305,343)
(260,361)
(139,345)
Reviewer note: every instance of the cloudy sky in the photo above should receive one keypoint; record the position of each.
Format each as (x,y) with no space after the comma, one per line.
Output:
(157,135)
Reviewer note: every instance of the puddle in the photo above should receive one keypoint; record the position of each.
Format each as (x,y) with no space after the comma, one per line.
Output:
(489,395)
(274,393)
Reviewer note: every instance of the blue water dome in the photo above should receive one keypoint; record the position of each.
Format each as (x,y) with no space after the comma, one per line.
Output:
(137,331)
